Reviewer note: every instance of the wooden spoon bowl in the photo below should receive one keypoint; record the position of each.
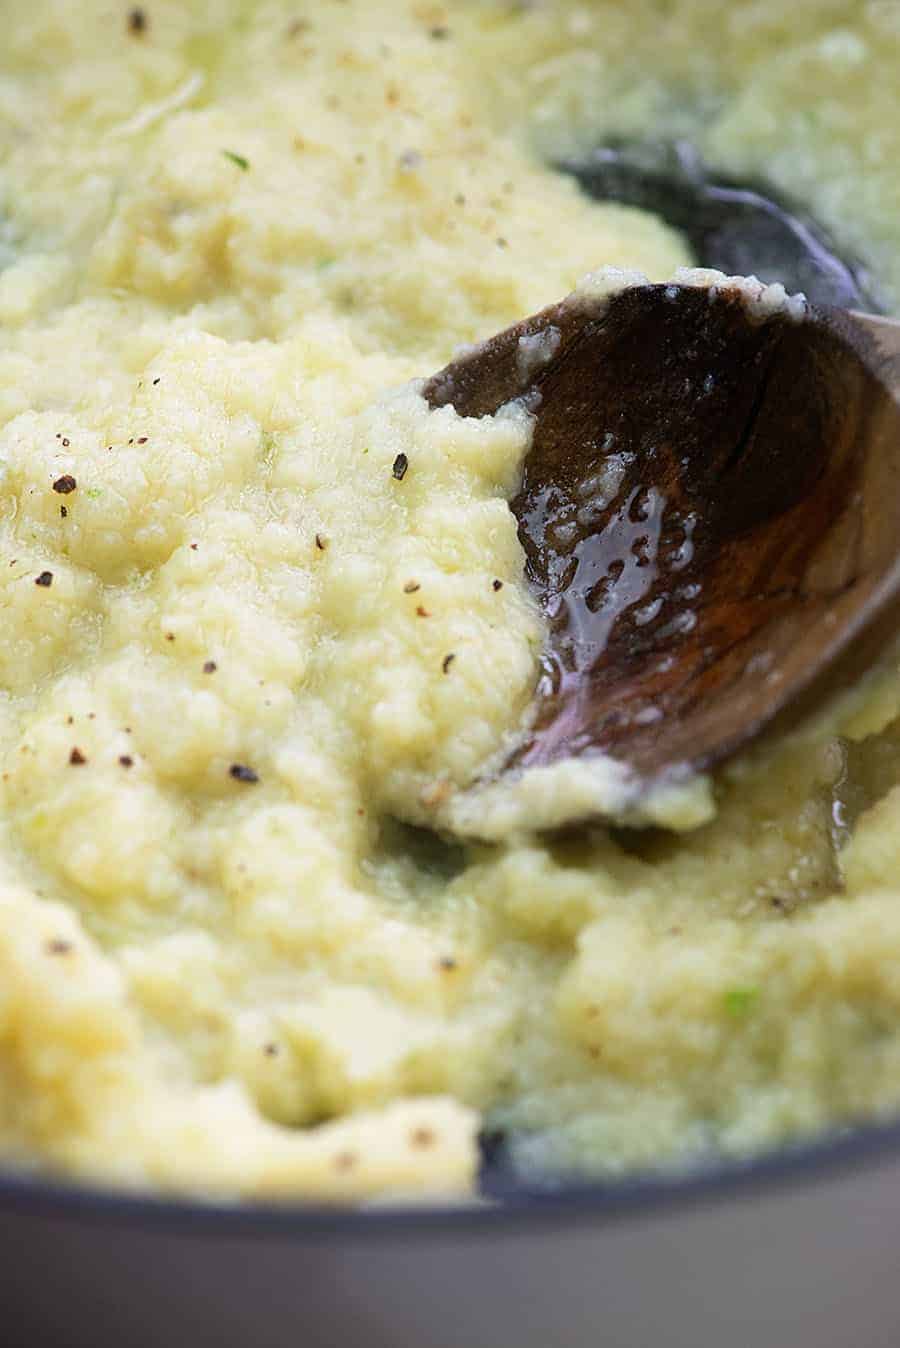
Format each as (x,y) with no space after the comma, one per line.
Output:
(710,513)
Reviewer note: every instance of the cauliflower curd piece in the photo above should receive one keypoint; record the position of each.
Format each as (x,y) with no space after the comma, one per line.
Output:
(260,603)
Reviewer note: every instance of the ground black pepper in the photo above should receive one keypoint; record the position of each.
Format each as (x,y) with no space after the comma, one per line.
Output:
(401,463)
(65,484)
(45,579)
(241,773)
(77,758)
(447,662)
(209,666)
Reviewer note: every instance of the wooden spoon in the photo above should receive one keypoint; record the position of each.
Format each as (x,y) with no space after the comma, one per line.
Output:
(710,513)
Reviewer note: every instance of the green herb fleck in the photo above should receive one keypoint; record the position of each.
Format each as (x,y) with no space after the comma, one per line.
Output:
(95,493)
(267,448)
(238,159)
(739,1002)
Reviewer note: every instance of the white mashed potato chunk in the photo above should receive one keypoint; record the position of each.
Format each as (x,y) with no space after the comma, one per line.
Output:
(260,603)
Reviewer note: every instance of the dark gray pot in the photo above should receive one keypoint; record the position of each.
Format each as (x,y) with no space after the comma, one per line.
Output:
(800,1250)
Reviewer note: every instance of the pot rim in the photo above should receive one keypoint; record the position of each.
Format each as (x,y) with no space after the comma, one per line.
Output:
(511,1207)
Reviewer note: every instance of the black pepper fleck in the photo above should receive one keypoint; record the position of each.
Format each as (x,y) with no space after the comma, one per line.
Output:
(157,379)
(411,586)
(439,32)
(65,484)
(271,1050)
(447,662)
(142,440)
(209,667)
(240,773)
(65,443)
(497,585)
(126,760)
(45,579)
(63,512)
(447,962)
(321,544)
(401,463)
(57,946)
(77,758)
(137,21)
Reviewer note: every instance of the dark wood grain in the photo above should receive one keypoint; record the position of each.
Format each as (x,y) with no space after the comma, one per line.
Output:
(740,558)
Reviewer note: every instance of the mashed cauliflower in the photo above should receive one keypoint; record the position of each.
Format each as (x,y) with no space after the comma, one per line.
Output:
(260,604)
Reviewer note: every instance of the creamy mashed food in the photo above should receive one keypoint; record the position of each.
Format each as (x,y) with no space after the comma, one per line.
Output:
(259,603)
